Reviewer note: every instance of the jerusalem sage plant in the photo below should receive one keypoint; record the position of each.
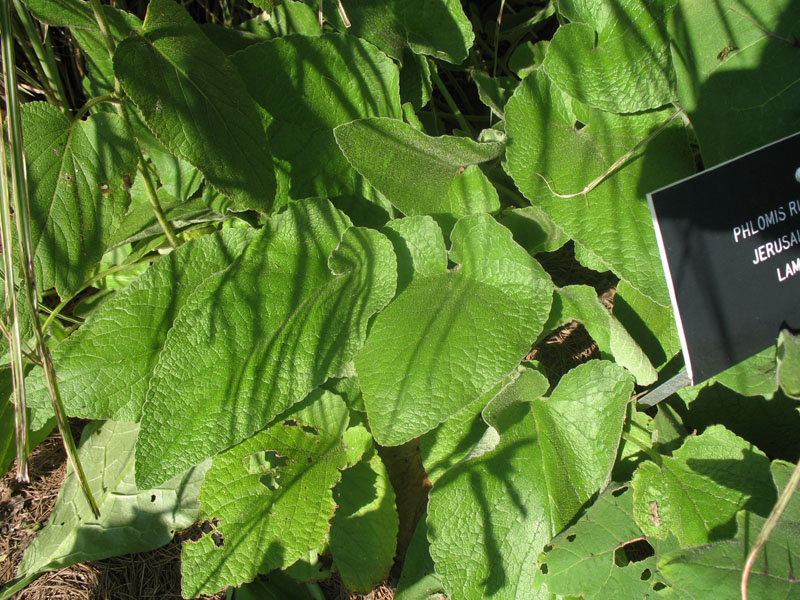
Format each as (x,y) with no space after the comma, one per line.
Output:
(310,245)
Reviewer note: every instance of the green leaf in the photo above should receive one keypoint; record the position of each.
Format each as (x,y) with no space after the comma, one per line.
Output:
(301,295)
(392,154)
(62,13)
(466,434)
(533,229)
(445,340)
(755,376)
(591,559)
(269,501)
(132,519)
(614,56)
(696,493)
(552,136)
(276,586)
(438,28)
(196,104)
(715,570)
(736,71)
(105,366)
(651,324)
(419,247)
(490,517)
(364,530)
(789,364)
(418,580)
(309,86)
(415,80)
(580,302)
(76,171)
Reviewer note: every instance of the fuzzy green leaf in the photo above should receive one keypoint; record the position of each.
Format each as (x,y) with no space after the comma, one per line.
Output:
(590,559)
(196,104)
(755,376)
(419,247)
(490,517)
(269,500)
(76,171)
(392,154)
(132,519)
(309,86)
(715,570)
(696,493)
(444,340)
(736,65)
(580,302)
(614,56)
(256,340)
(364,530)
(438,28)
(105,366)
(570,144)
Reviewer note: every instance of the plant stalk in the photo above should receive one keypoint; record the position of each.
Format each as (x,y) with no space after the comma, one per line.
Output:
(769,527)
(449,99)
(21,205)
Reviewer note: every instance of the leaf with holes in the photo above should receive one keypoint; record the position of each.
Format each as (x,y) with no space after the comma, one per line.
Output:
(77,172)
(605,554)
(489,517)
(698,491)
(132,519)
(258,338)
(269,501)
(569,144)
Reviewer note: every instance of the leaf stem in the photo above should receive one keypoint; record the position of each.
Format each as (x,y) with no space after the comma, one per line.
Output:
(449,99)
(769,526)
(94,102)
(122,110)
(652,454)
(617,163)
(101,275)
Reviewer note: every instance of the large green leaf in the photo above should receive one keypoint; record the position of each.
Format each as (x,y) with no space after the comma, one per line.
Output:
(392,154)
(696,493)
(269,501)
(196,104)
(580,302)
(614,55)
(104,367)
(309,86)
(490,517)
(736,64)
(76,171)
(364,530)
(447,338)
(253,341)
(570,144)
(591,559)
(715,570)
(438,28)
(132,519)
